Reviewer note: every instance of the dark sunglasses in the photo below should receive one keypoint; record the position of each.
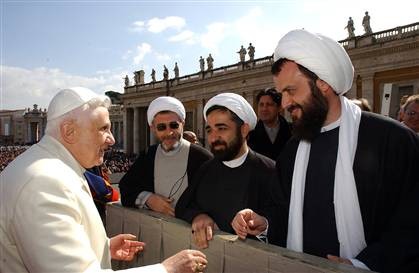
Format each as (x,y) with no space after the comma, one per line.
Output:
(163,126)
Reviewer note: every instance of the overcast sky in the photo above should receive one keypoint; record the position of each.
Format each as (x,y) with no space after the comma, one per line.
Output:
(50,45)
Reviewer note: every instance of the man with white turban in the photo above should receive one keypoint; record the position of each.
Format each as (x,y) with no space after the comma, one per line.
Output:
(157,180)
(344,175)
(235,179)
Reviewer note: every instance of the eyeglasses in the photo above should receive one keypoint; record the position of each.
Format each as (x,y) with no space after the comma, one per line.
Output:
(163,126)
(412,113)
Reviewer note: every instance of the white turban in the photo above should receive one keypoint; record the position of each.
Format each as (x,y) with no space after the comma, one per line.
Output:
(236,104)
(165,104)
(321,55)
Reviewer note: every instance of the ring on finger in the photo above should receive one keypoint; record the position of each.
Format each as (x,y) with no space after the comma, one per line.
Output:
(199,267)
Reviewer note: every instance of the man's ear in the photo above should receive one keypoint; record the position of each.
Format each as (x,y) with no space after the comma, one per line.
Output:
(68,131)
(245,129)
(323,86)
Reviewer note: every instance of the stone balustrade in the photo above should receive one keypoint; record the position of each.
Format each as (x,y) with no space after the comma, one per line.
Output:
(396,33)
(165,236)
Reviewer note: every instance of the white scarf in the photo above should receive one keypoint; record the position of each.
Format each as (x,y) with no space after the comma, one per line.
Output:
(349,224)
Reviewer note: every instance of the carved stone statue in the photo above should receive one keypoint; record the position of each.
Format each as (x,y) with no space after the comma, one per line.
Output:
(366,23)
(139,77)
(242,52)
(126,81)
(350,27)
(165,73)
(176,70)
(201,64)
(251,52)
(210,63)
(153,75)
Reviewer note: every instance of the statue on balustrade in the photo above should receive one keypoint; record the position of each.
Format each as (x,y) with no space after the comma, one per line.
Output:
(350,27)
(126,81)
(210,63)
(165,73)
(153,75)
(176,70)
(251,52)
(242,52)
(366,23)
(201,64)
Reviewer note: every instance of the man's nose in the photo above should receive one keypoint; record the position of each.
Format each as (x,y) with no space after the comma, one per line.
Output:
(211,137)
(286,100)
(110,140)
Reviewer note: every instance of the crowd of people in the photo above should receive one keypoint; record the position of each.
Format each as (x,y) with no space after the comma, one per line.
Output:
(118,161)
(340,183)
(9,153)
(114,160)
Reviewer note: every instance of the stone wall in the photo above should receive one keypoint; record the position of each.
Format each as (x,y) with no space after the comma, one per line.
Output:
(165,236)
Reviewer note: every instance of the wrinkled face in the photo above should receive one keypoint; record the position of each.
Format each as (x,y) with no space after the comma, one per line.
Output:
(95,137)
(307,106)
(268,110)
(168,129)
(411,116)
(224,136)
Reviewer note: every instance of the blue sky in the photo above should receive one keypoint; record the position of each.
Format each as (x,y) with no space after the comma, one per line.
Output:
(50,45)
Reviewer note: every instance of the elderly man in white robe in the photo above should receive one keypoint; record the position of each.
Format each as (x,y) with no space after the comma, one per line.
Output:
(347,178)
(48,220)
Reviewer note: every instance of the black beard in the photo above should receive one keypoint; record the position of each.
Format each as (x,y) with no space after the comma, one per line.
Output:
(230,151)
(314,112)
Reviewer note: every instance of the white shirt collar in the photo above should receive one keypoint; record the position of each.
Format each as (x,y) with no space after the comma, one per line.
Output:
(237,161)
(330,126)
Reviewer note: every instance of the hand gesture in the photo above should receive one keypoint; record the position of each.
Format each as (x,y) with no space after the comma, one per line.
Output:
(186,261)
(161,204)
(339,259)
(248,222)
(124,247)
(202,227)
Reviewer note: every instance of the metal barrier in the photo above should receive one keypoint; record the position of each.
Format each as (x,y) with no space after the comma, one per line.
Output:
(165,236)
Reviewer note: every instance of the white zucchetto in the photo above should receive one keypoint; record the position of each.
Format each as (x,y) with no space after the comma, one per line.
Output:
(69,99)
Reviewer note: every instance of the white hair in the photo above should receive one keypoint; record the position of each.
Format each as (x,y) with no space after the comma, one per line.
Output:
(78,115)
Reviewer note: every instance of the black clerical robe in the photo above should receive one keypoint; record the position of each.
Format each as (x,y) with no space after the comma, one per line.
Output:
(386,170)
(260,142)
(221,192)
(140,176)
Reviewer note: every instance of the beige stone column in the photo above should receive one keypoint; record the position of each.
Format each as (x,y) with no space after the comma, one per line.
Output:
(368,87)
(121,133)
(136,133)
(249,97)
(128,123)
(200,122)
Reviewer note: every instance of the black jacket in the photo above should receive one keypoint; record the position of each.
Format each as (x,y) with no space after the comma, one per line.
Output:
(140,176)
(387,181)
(260,142)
